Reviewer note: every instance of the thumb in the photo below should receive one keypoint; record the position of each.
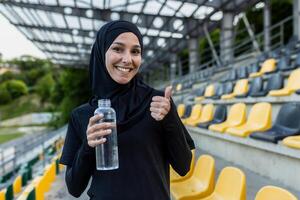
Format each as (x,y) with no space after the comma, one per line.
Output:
(168,92)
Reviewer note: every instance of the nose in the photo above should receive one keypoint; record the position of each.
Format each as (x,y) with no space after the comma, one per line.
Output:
(126,58)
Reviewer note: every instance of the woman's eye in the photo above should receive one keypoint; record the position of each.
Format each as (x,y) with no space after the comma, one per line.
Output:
(117,49)
(136,51)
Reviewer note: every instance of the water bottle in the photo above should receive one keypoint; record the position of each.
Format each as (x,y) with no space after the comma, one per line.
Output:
(107,153)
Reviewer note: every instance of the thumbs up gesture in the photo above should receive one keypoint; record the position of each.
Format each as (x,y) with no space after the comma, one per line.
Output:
(160,106)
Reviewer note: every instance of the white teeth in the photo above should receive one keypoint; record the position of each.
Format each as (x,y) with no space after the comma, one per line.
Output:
(123,69)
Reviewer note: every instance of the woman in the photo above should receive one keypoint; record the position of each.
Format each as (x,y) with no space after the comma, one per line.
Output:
(150,133)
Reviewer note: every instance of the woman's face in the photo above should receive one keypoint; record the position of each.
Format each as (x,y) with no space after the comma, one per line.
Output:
(123,58)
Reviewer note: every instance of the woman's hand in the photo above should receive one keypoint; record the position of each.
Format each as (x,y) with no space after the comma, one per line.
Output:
(95,131)
(160,106)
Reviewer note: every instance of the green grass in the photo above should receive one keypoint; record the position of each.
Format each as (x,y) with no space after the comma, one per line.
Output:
(23,105)
(7,137)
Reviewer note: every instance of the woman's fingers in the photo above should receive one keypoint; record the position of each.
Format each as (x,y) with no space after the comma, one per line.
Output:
(94,143)
(98,134)
(99,126)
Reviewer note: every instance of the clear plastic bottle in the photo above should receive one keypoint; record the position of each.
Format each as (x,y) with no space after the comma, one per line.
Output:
(107,153)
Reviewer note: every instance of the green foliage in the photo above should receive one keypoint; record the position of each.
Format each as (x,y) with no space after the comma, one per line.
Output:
(16,88)
(5,96)
(32,68)
(45,86)
(23,105)
(71,89)
(7,76)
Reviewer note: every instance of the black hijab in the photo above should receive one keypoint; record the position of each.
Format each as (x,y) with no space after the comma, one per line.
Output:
(129,100)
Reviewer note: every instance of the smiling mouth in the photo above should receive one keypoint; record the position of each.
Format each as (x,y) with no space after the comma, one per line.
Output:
(123,69)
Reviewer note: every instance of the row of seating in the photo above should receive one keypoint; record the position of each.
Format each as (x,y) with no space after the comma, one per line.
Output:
(14,187)
(273,87)
(42,184)
(258,124)
(269,66)
(199,184)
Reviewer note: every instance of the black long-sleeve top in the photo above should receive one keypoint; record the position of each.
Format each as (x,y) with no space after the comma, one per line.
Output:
(145,152)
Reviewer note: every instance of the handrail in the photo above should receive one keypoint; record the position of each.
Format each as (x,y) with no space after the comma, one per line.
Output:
(21,150)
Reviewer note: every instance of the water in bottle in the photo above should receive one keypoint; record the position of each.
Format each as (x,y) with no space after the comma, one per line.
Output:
(107,153)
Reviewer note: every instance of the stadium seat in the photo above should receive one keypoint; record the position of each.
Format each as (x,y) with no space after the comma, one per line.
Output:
(174,177)
(292,141)
(236,116)
(260,119)
(219,117)
(292,85)
(200,184)
(268,66)
(206,115)
(219,91)
(209,91)
(195,114)
(284,64)
(187,111)
(228,88)
(242,73)
(200,94)
(180,110)
(255,86)
(287,124)
(274,82)
(229,76)
(178,87)
(240,88)
(274,193)
(17,185)
(252,68)
(296,64)
(231,185)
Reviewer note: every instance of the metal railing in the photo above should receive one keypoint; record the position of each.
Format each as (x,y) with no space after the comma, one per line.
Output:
(19,151)
(243,50)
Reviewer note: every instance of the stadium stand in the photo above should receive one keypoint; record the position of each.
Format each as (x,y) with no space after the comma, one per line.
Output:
(274,193)
(200,184)
(268,66)
(220,115)
(260,119)
(236,116)
(292,141)
(287,124)
(231,184)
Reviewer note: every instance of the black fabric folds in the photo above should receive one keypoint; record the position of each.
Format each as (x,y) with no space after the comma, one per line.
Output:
(129,100)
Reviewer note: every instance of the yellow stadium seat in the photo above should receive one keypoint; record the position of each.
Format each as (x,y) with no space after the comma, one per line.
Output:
(209,91)
(17,185)
(206,115)
(236,116)
(292,141)
(174,177)
(2,194)
(260,119)
(200,184)
(231,185)
(274,193)
(180,110)
(178,87)
(195,114)
(241,87)
(292,85)
(268,66)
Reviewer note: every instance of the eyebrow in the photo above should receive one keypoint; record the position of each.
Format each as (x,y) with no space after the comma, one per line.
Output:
(119,43)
